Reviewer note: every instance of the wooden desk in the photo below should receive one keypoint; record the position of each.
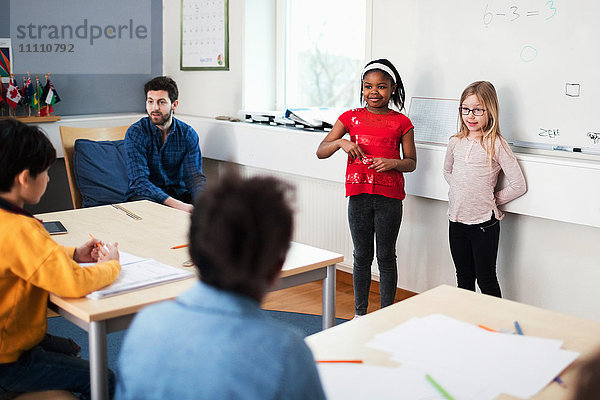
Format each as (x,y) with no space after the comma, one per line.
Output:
(347,341)
(152,236)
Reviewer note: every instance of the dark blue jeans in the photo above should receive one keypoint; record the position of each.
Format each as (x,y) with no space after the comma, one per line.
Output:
(474,250)
(38,370)
(371,215)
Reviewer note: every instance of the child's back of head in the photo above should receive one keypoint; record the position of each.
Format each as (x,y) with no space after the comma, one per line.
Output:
(240,233)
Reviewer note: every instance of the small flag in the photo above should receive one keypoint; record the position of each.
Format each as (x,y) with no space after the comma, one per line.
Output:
(46,110)
(37,91)
(49,95)
(13,96)
(27,91)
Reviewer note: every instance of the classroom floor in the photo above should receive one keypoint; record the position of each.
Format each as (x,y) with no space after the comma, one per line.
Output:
(307,298)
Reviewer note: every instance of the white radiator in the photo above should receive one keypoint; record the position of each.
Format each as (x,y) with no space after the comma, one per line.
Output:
(321,217)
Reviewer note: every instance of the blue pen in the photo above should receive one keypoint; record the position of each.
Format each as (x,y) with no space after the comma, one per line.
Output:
(518,328)
(560,381)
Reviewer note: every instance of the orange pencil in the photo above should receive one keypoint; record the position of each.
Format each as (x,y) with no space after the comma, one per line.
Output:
(181,246)
(486,328)
(98,245)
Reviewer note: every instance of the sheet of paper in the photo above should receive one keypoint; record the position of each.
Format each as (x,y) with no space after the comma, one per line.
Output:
(141,274)
(362,381)
(436,119)
(512,364)
(124,259)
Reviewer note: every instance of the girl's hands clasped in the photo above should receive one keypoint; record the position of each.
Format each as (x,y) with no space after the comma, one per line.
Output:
(383,164)
(351,148)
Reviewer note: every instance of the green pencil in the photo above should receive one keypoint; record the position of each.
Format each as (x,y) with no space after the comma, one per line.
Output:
(438,387)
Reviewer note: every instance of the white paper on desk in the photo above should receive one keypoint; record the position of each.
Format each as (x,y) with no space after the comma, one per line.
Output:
(124,259)
(363,381)
(141,274)
(128,258)
(512,364)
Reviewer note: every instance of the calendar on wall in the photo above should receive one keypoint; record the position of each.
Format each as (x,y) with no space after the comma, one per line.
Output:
(204,35)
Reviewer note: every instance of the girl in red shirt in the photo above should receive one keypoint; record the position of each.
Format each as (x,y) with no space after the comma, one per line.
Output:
(374,180)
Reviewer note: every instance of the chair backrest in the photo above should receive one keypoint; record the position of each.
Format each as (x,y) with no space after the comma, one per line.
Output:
(69,135)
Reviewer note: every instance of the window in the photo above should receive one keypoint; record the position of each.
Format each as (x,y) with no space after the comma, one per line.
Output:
(303,53)
(324,52)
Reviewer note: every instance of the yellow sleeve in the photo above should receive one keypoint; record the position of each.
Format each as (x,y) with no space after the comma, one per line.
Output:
(38,259)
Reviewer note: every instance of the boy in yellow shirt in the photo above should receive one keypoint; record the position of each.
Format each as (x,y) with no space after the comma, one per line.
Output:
(32,265)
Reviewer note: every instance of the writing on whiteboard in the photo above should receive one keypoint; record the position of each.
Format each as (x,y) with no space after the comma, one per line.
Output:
(595,136)
(550,133)
(514,13)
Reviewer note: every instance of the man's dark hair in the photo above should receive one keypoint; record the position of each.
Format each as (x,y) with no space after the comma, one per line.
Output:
(163,83)
(240,233)
(22,147)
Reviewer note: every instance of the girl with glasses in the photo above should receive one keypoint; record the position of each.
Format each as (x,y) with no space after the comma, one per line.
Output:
(474,158)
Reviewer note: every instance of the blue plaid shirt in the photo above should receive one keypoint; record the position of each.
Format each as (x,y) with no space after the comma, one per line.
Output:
(154,168)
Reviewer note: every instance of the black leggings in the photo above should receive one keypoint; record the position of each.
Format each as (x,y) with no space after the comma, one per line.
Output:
(474,250)
(374,216)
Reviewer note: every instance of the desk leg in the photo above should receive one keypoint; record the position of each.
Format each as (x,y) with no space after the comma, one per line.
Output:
(329,298)
(98,360)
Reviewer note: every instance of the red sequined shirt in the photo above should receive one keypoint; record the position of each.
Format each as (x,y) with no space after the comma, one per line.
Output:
(378,135)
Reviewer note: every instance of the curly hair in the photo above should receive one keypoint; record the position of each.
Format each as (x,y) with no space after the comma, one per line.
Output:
(163,83)
(240,233)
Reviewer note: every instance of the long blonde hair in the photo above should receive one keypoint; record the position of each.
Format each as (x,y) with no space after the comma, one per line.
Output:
(486,93)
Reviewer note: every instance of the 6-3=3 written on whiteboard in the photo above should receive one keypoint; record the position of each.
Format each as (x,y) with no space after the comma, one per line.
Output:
(435,120)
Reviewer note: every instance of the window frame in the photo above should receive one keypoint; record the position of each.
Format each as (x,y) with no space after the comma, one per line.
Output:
(279,29)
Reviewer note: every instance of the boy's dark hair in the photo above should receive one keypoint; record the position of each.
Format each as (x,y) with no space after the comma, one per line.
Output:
(399,95)
(240,233)
(163,83)
(22,147)
(587,381)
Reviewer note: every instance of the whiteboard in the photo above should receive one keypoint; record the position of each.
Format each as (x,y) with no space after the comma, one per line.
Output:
(541,55)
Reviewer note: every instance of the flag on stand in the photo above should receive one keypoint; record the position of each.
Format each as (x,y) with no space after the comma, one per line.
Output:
(49,95)
(13,96)
(37,91)
(27,91)
(46,110)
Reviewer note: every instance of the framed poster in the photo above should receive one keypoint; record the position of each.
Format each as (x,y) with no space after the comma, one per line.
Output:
(5,60)
(204,35)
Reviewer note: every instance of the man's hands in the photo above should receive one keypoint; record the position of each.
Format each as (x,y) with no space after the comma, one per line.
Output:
(180,205)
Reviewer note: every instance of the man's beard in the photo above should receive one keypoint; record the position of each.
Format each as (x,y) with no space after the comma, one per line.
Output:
(162,120)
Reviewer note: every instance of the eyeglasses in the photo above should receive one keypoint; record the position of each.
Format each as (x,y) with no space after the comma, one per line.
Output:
(478,112)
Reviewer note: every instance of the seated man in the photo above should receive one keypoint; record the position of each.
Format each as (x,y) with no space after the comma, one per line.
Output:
(163,157)
(214,342)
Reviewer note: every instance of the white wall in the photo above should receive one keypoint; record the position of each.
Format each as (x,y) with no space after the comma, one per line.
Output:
(205,93)
(542,262)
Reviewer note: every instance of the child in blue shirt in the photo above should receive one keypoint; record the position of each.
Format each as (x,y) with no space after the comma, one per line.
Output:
(214,341)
